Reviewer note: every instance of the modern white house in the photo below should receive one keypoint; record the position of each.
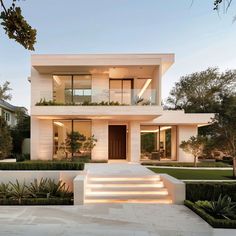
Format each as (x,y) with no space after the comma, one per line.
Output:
(116,98)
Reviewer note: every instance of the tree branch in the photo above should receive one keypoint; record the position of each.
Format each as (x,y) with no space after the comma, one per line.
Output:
(3,6)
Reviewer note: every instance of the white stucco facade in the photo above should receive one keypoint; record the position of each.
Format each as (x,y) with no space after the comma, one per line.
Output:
(138,75)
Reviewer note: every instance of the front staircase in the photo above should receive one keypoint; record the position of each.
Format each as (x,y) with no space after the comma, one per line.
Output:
(131,189)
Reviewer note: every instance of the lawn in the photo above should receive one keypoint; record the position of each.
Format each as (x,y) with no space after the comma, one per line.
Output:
(192,174)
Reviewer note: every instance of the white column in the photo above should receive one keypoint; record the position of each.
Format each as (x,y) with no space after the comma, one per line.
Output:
(134,141)
(100,132)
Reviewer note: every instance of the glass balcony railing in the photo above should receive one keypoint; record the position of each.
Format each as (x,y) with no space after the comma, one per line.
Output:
(88,97)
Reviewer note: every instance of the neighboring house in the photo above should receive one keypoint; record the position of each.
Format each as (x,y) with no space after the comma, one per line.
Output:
(136,130)
(9,112)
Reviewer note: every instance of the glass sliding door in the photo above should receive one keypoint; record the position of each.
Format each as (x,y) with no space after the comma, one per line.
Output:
(121,91)
(74,89)
(69,137)
(158,142)
(82,88)
(62,89)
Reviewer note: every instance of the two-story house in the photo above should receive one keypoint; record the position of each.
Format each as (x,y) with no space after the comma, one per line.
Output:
(9,112)
(116,98)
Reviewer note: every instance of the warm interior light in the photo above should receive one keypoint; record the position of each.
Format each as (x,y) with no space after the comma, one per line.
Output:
(146,84)
(58,123)
(156,130)
(57,80)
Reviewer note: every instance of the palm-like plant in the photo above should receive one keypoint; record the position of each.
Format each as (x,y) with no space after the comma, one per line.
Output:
(18,191)
(222,208)
(58,189)
(38,188)
(4,190)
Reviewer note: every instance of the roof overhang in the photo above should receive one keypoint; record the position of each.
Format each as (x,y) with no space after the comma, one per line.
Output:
(78,62)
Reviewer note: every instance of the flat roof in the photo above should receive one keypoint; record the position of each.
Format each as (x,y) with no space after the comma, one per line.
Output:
(46,62)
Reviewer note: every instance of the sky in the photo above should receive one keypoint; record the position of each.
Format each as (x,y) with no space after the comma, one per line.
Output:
(199,36)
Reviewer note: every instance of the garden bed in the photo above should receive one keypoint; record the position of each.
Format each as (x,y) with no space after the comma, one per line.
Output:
(42,165)
(215,223)
(209,191)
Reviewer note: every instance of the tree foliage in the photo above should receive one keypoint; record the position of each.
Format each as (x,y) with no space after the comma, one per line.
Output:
(5,139)
(224,127)
(194,146)
(20,131)
(201,91)
(16,27)
(4,91)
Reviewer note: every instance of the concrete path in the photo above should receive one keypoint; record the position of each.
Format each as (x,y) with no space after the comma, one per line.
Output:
(104,220)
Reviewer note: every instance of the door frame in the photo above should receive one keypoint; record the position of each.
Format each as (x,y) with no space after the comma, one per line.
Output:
(126,139)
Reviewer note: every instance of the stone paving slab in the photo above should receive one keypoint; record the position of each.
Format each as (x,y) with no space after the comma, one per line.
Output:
(105,219)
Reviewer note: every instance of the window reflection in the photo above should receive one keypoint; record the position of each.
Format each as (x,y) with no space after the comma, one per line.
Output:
(158,142)
(72,89)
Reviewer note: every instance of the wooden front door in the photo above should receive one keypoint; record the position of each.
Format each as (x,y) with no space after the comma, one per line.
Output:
(117,142)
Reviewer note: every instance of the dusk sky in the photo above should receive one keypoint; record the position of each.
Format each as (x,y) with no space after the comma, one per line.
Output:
(199,36)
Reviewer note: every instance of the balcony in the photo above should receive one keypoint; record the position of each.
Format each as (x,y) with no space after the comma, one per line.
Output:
(130,104)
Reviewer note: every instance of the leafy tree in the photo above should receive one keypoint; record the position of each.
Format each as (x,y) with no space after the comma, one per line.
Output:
(201,91)
(193,146)
(5,139)
(16,27)
(224,128)
(74,142)
(20,131)
(4,91)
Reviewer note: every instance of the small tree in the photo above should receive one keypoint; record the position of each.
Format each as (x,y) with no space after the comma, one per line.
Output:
(74,142)
(5,139)
(193,146)
(89,143)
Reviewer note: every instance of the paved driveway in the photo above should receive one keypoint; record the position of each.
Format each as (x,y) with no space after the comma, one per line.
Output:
(102,220)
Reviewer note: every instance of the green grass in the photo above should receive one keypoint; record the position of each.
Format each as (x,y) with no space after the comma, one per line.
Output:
(188,164)
(191,174)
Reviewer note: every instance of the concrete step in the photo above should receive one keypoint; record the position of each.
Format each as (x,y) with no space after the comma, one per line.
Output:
(146,201)
(124,187)
(126,195)
(123,178)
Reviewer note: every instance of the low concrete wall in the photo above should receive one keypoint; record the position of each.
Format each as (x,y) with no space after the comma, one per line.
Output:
(79,188)
(29,176)
(176,188)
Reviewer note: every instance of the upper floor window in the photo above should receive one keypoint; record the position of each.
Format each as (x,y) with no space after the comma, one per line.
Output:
(7,116)
(72,88)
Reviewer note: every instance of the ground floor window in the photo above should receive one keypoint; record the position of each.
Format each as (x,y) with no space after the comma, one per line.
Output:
(71,138)
(158,142)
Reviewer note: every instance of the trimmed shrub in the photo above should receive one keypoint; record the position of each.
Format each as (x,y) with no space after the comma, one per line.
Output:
(41,165)
(209,191)
(216,223)
(38,201)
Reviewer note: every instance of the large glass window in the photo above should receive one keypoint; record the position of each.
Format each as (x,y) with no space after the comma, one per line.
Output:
(70,137)
(121,90)
(72,88)
(158,142)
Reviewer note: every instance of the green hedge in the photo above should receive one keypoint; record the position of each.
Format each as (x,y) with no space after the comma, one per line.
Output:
(38,201)
(210,190)
(216,223)
(41,165)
